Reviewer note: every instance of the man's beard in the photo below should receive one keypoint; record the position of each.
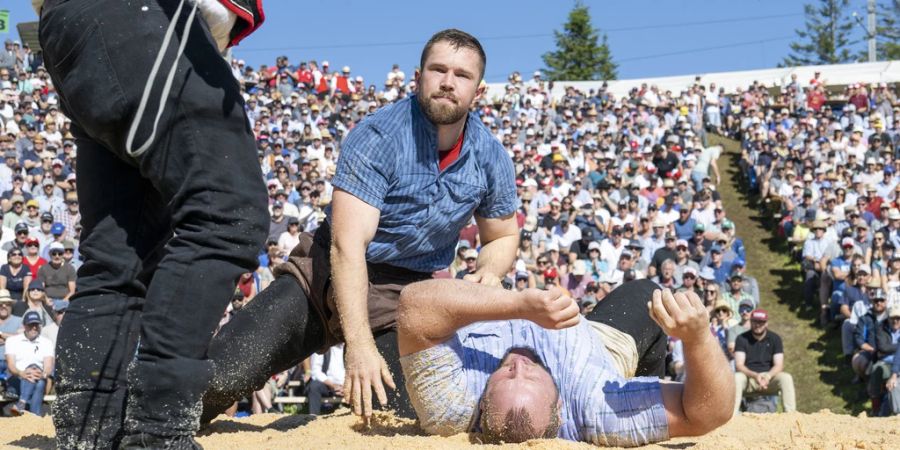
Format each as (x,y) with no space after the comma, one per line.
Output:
(440,113)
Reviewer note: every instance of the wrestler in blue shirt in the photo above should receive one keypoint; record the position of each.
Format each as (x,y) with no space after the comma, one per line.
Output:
(523,365)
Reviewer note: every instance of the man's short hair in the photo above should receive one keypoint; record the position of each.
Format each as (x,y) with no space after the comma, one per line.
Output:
(456,38)
(516,427)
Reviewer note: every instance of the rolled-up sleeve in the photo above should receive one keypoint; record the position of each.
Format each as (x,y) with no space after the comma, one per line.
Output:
(500,198)
(437,388)
(365,165)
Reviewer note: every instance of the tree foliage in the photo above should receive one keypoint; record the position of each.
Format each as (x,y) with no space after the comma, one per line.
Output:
(826,37)
(578,54)
(887,31)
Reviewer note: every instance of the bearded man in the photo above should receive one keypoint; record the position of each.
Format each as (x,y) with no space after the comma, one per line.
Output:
(409,178)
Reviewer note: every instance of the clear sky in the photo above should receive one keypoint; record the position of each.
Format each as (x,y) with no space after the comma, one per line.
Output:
(648,37)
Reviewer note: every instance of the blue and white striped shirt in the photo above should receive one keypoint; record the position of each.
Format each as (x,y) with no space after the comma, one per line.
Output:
(445,383)
(390,161)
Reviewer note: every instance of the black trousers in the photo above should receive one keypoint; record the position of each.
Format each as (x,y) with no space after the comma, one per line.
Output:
(165,234)
(315,392)
(625,309)
(275,332)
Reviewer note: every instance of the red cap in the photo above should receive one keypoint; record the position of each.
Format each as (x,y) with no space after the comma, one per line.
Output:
(550,273)
(31,240)
(760,315)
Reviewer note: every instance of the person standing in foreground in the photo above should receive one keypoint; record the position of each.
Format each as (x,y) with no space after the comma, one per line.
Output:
(521,365)
(173,209)
(409,178)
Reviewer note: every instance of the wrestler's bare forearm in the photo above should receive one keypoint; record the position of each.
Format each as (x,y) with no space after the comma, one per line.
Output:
(706,398)
(431,311)
(353,225)
(501,239)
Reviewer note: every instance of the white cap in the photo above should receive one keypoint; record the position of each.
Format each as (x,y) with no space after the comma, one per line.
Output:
(594,245)
(553,246)
(847,242)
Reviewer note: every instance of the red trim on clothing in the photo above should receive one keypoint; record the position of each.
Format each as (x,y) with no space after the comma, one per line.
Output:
(446,157)
(246,16)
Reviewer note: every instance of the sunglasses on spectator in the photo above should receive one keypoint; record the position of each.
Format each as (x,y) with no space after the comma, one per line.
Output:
(688,277)
(56,253)
(21,233)
(543,262)
(711,291)
(70,250)
(14,254)
(72,202)
(745,310)
(33,245)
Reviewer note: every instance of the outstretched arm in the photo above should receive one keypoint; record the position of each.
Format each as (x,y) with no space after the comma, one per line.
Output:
(705,400)
(431,311)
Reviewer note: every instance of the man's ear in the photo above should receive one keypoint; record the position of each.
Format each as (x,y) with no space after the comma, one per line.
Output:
(479,93)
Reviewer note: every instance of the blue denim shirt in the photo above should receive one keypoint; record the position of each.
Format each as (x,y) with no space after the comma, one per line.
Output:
(390,161)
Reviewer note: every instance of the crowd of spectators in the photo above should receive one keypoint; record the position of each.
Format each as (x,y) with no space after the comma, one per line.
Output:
(611,189)
(823,161)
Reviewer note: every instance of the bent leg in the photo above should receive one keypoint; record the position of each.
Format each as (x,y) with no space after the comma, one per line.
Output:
(272,333)
(740,385)
(97,340)
(784,382)
(625,309)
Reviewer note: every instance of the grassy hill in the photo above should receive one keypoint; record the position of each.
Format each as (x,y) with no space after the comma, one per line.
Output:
(812,355)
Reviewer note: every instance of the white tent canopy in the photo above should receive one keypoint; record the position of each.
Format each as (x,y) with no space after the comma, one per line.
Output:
(835,74)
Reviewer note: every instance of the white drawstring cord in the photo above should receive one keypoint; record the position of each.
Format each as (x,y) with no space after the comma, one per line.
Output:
(135,123)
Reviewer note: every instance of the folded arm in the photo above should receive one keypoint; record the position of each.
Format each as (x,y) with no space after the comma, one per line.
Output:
(431,311)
